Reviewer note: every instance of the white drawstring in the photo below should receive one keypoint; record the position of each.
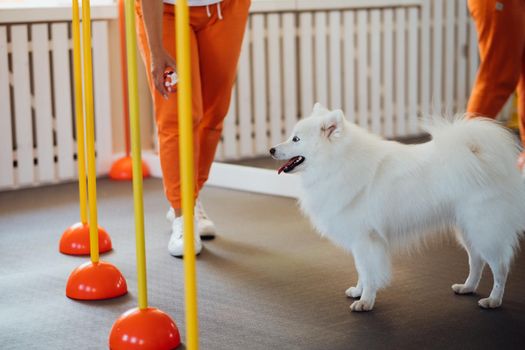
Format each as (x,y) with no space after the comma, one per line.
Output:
(219,13)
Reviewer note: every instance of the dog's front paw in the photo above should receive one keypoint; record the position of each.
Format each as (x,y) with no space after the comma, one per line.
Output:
(489,303)
(361,305)
(353,292)
(462,289)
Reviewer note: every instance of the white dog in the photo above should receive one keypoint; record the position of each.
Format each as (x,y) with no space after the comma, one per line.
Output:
(373,197)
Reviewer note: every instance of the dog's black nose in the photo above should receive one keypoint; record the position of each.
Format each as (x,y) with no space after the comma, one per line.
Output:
(272,151)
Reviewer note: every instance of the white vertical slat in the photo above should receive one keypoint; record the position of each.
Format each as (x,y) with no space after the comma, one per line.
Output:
(437,50)
(461,59)
(306,67)
(449,50)
(412,70)
(334,67)
(289,71)
(375,70)
(473,56)
(229,132)
(63,118)
(400,72)
(388,73)
(43,111)
(274,79)
(259,84)
(22,105)
(245,97)
(349,64)
(362,68)
(6,140)
(425,78)
(321,64)
(101,86)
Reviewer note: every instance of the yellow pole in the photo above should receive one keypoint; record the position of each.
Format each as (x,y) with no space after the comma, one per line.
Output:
(131,53)
(186,165)
(79,112)
(90,131)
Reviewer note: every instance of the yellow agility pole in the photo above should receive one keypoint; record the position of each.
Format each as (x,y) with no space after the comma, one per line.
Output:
(94,280)
(186,166)
(76,240)
(133,94)
(79,111)
(143,327)
(90,130)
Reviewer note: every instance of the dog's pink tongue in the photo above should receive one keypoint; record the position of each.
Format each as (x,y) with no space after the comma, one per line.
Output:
(285,165)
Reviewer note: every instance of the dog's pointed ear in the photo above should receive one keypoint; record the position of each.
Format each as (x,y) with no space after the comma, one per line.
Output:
(333,124)
(319,109)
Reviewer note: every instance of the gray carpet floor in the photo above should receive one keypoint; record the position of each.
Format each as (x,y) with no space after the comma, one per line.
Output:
(267,282)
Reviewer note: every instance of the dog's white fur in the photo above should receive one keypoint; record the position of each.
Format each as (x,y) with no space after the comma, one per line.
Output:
(373,197)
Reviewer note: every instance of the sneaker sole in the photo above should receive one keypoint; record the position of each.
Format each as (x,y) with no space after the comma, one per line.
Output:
(207,236)
(182,256)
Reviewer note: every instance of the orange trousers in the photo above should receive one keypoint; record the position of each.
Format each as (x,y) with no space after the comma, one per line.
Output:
(215,44)
(501,35)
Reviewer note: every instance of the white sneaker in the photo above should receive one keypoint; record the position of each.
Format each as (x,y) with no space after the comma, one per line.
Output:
(176,243)
(205,226)
(170,215)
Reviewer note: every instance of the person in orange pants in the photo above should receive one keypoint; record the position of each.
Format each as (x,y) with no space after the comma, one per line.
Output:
(501,36)
(216,33)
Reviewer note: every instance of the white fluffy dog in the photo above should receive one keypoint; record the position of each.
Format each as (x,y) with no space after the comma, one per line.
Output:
(373,197)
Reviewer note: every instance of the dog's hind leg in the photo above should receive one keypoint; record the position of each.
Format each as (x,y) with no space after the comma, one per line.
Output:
(355,292)
(373,265)
(499,272)
(498,254)
(491,231)
(492,236)
(476,265)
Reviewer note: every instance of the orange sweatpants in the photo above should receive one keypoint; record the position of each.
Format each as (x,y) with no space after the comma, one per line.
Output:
(501,34)
(215,46)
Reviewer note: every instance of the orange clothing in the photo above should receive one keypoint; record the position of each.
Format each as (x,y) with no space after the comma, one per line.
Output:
(501,35)
(215,42)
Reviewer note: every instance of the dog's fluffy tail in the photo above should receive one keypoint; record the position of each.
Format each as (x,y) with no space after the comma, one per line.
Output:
(480,143)
(483,152)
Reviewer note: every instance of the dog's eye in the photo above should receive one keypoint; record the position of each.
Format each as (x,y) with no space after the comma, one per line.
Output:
(295,139)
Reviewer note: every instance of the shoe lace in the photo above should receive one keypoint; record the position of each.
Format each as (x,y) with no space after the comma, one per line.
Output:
(178,226)
(201,214)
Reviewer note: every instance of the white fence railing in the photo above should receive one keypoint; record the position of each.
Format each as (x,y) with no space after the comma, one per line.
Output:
(37,138)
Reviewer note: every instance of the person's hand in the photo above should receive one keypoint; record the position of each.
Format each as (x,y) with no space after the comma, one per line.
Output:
(161,62)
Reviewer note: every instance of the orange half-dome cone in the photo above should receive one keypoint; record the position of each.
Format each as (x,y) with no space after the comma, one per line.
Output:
(75,240)
(122,169)
(145,329)
(96,281)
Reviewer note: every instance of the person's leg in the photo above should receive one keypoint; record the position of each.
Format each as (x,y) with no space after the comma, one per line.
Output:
(166,110)
(219,45)
(501,43)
